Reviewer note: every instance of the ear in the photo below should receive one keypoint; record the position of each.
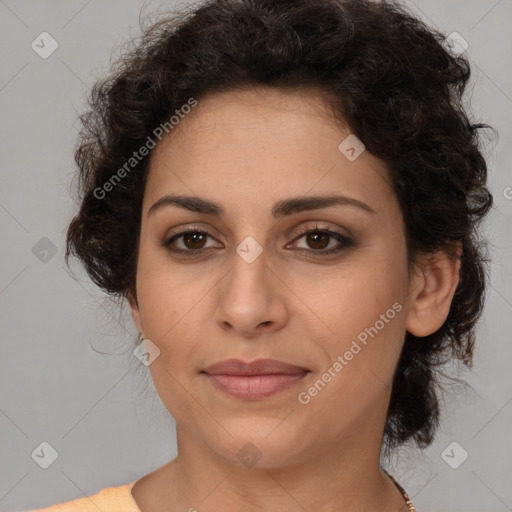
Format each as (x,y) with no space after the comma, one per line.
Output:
(134,306)
(432,290)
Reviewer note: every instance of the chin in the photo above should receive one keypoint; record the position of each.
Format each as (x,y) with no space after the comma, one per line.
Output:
(261,444)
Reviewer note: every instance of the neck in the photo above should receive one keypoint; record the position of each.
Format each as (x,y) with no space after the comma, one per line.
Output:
(347,479)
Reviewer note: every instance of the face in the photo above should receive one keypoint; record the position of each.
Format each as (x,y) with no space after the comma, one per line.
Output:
(259,271)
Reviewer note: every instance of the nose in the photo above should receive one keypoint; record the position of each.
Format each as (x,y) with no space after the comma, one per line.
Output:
(252,300)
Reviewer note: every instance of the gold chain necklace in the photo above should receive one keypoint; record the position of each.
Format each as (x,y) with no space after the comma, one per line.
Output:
(406,498)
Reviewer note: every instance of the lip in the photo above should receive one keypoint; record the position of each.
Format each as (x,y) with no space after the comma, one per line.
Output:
(254,380)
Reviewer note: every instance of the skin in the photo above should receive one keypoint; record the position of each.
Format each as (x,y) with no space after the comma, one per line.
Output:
(247,150)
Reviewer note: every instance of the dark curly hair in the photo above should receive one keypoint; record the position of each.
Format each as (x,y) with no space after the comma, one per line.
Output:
(390,78)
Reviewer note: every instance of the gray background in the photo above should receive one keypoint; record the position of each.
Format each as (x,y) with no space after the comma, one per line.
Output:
(100,411)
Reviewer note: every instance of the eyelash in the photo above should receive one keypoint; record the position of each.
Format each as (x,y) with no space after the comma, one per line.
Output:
(345,241)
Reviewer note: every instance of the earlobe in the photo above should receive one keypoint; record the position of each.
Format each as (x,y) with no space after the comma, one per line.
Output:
(432,291)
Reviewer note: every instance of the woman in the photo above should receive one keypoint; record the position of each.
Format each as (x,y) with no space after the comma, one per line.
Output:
(288,196)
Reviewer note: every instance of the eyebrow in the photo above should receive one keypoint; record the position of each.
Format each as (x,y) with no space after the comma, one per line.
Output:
(281,208)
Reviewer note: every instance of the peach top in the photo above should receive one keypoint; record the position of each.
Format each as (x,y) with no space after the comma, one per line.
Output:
(110,499)
(120,499)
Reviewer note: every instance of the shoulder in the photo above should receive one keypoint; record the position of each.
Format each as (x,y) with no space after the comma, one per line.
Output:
(110,499)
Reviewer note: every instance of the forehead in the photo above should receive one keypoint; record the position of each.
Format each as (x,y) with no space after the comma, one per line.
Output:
(254,146)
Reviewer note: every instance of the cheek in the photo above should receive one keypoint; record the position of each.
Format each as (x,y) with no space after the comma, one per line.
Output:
(167,292)
(167,312)
(353,297)
(166,304)
(363,306)
(365,311)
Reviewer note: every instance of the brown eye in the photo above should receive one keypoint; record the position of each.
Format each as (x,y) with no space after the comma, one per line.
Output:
(318,240)
(189,241)
(194,240)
